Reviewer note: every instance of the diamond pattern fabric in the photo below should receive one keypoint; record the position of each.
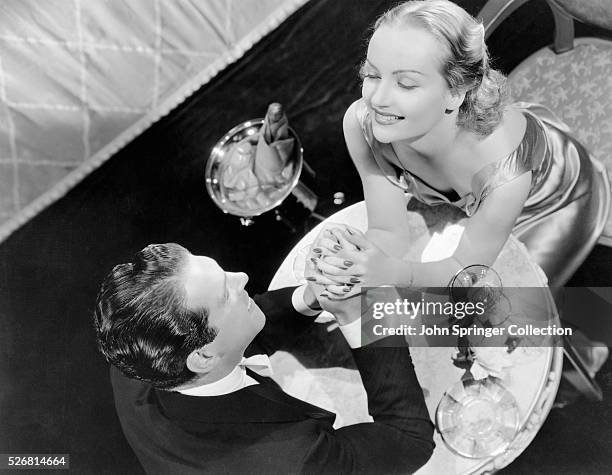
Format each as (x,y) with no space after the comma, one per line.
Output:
(79,79)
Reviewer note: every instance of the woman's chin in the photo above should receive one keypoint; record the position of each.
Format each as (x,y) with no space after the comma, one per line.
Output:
(383,136)
(389,133)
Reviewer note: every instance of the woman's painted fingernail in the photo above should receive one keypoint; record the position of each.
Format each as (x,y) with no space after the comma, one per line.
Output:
(337,247)
(313,260)
(348,263)
(317,250)
(311,279)
(355,280)
(349,231)
(346,288)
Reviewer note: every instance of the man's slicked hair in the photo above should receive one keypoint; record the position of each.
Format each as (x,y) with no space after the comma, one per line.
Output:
(142,323)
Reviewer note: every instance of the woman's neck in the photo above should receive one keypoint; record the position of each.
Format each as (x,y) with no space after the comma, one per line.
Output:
(440,144)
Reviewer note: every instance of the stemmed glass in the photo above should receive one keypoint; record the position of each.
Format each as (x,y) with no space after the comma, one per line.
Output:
(477,418)
(476,283)
(480,283)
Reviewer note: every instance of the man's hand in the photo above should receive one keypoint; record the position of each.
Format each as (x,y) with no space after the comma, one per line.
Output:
(346,311)
(310,298)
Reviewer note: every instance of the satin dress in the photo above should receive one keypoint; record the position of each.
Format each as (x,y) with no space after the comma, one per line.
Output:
(568,203)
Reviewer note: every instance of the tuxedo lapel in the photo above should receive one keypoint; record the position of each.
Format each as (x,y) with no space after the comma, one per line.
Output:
(263,402)
(269,389)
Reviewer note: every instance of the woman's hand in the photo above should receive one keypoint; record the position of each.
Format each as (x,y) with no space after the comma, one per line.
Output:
(352,261)
(328,250)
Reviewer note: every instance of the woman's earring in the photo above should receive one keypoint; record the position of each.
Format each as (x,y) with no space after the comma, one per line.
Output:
(448,111)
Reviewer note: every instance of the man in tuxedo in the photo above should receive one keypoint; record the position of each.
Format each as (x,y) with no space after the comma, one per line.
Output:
(176,329)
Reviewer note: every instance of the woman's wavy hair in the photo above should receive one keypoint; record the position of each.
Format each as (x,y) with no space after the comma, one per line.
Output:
(466,65)
(142,324)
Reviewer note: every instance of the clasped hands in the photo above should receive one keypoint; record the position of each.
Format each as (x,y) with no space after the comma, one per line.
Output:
(343,260)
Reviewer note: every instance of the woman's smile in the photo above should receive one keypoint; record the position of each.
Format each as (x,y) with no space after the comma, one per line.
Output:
(386,119)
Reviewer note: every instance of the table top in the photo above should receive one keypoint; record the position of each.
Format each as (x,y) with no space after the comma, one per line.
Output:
(321,371)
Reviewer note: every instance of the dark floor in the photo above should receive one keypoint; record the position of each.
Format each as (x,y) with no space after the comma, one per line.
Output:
(55,395)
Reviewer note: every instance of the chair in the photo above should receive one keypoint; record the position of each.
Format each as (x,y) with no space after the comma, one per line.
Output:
(573,78)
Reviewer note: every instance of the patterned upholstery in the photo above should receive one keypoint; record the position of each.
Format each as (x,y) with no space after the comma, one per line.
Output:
(596,12)
(577,86)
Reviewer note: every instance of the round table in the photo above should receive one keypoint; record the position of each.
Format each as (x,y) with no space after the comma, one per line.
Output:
(321,370)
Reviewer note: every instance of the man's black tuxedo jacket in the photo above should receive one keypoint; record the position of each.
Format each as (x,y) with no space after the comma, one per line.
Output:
(261,429)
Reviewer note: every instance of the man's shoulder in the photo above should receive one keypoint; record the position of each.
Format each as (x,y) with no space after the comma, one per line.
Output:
(241,431)
(261,403)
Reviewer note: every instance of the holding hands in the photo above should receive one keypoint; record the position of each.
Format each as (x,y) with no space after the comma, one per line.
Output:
(343,260)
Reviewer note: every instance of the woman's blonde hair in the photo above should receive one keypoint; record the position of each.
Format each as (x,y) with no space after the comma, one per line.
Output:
(466,63)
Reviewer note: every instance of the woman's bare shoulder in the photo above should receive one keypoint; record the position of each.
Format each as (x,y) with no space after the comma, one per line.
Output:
(513,120)
(352,116)
(507,136)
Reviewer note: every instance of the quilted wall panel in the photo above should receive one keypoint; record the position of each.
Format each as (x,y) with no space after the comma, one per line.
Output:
(79,79)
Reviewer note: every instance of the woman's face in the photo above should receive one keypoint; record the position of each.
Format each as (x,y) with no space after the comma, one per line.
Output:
(402,84)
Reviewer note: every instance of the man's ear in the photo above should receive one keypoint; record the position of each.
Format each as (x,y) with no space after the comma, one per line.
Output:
(199,361)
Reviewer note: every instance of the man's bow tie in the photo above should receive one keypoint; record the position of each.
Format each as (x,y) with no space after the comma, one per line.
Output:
(259,364)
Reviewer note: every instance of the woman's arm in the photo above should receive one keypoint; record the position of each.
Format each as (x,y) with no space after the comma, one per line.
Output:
(484,237)
(485,234)
(385,202)
(380,261)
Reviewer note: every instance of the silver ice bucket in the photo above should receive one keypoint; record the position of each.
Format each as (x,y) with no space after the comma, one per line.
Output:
(245,209)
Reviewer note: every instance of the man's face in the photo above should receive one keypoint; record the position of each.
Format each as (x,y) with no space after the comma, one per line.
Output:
(233,313)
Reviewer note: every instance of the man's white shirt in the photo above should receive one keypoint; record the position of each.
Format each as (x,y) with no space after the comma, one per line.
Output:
(239,379)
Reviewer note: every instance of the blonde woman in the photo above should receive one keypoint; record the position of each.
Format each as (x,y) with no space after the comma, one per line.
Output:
(434,120)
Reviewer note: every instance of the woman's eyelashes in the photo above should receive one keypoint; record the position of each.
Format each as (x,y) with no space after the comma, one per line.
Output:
(366,73)
(399,84)
(370,76)
(406,86)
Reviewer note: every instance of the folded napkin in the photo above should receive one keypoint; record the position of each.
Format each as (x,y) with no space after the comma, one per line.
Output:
(491,361)
(237,174)
(274,147)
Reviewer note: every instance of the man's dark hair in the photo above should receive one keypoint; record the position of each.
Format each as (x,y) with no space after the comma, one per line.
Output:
(143,326)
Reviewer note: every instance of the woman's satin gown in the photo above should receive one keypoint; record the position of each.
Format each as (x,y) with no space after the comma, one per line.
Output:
(568,203)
